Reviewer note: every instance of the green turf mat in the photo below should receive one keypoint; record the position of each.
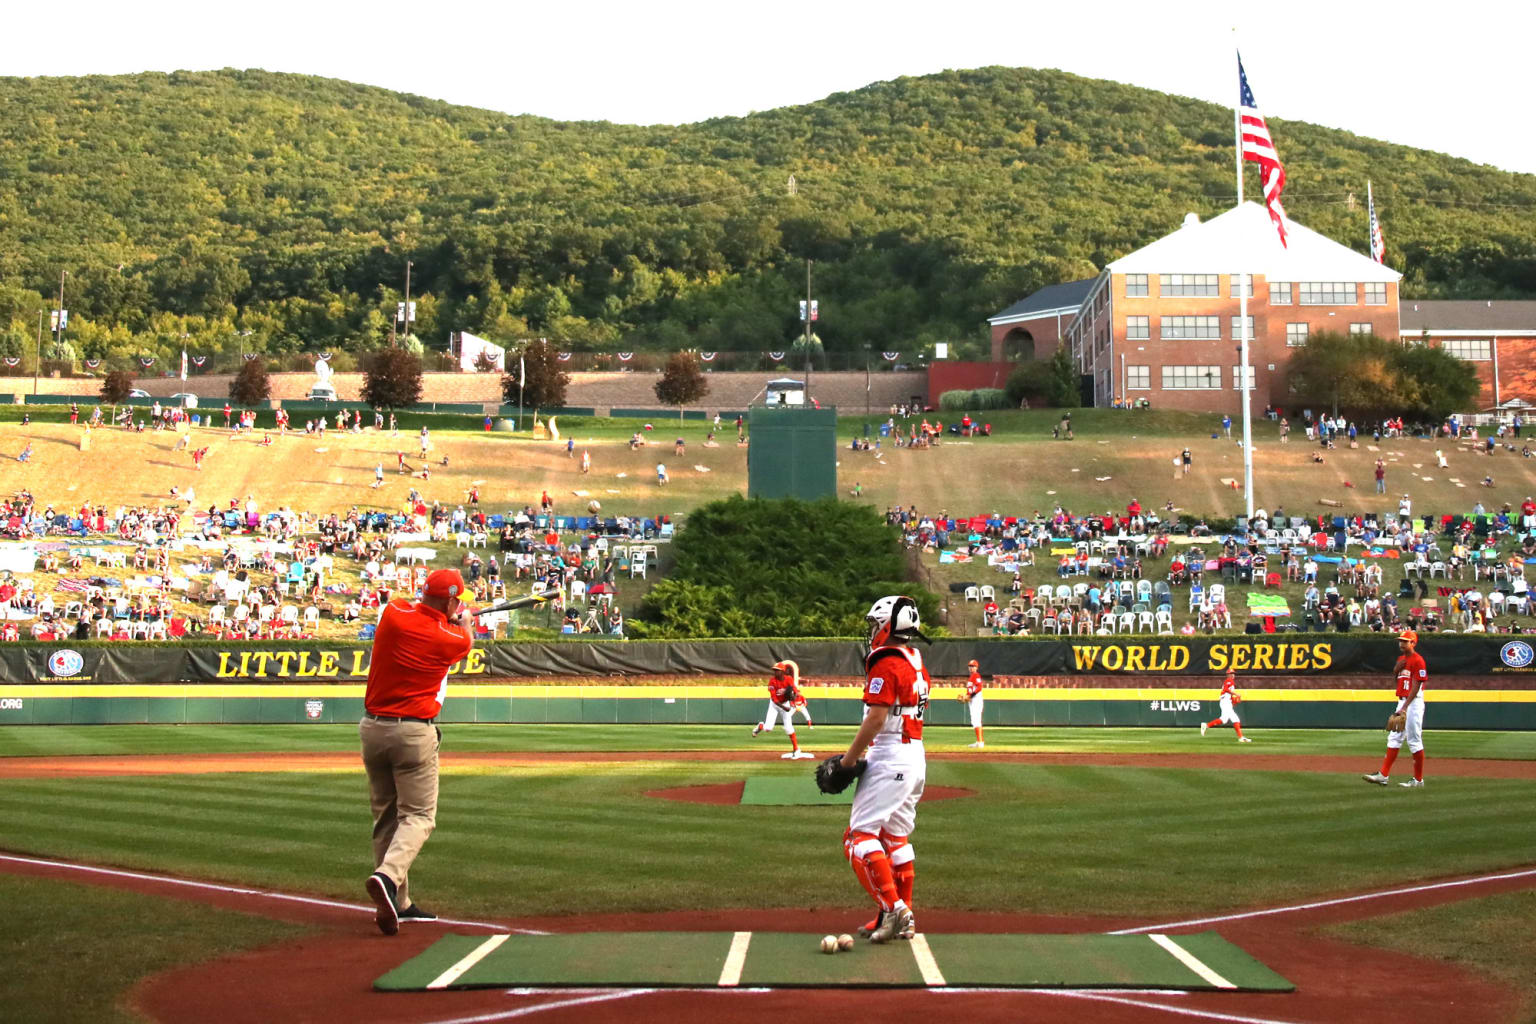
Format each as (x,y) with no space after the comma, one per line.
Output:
(784,960)
(778,791)
(1095,961)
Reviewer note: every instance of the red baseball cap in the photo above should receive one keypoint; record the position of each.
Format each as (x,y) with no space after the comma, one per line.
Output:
(445,583)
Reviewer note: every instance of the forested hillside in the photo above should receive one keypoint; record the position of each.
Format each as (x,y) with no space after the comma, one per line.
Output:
(276,212)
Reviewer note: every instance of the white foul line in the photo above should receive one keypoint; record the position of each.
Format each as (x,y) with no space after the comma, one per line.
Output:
(735,960)
(469,960)
(1183,1011)
(1324,903)
(926,964)
(1191,961)
(313,901)
(558,1004)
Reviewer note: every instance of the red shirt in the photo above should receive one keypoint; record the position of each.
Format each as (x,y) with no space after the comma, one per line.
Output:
(896,678)
(973,684)
(413,649)
(783,691)
(1411,669)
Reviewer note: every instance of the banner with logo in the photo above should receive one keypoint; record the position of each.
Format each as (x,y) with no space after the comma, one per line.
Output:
(1116,661)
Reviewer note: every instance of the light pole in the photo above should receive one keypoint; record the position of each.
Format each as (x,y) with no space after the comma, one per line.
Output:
(37,353)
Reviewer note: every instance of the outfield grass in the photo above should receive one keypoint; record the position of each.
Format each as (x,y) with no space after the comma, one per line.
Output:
(62,965)
(65,740)
(1491,936)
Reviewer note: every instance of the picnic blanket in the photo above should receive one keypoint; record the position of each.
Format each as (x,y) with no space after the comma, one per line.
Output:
(1267,604)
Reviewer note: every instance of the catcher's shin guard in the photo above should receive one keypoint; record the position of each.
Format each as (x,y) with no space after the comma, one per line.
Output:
(903,864)
(871,867)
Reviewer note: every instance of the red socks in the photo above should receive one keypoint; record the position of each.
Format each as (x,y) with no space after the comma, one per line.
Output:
(1239,727)
(1213,723)
(1386,762)
(1418,765)
(978,734)
(871,867)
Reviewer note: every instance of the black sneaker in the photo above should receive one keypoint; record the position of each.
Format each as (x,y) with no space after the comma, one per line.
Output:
(382,891)
(415,912)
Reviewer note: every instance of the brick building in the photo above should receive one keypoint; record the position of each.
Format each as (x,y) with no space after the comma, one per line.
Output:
(1498,338)
(1032,327)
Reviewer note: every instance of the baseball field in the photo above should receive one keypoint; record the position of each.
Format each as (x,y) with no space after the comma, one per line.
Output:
(215,873)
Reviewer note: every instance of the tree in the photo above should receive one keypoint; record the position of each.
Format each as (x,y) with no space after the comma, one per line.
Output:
(682,382)
(546,381)
(1435,383)
(485,362)
(392,378)
(1061,380)
(1353,372)
(251,385)
(116,386)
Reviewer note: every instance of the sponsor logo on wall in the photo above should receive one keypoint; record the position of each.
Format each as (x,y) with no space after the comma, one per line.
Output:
(1280,656)
(65,665)
(10,704)
(1517,654)
(313,709)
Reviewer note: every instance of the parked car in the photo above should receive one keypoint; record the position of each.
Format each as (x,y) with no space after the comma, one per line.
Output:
(184,400)
(138,393)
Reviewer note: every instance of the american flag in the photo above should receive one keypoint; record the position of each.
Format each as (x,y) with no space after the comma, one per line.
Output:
(1378,243)
(1260,148)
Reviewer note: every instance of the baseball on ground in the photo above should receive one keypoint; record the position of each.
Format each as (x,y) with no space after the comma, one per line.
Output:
(829,944)
(845,942)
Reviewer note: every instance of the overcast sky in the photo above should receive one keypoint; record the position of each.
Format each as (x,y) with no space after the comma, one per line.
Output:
(1451,78)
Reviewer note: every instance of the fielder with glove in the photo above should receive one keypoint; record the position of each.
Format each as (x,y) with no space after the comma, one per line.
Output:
(783,695)
(1229,699)
(1406,723)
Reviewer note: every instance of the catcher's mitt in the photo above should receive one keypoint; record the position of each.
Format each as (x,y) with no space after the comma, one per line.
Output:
(832,777)
(1397,721)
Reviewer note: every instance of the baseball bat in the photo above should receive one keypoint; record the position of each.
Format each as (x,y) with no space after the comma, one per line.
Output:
(521,602)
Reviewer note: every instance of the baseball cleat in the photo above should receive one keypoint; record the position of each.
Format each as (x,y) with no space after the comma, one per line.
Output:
(789,755)
(382,891)
(1204,726)
(977,745)
(1244,739)
(416,912)
(757,728)
(868,927)
(1412,784)
(892,924)
(1376,777)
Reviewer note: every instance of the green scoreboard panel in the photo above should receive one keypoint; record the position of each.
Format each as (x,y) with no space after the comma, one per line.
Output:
(793,453)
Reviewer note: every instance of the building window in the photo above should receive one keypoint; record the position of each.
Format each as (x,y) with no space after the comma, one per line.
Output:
(1190,378)
(1137,329)
(1237,375)
(1189,285)
(1280,293)
(1135,286)
(1295,335)
(1375,293)
(1327,293)
(1138,378)
(1476,350)
(1185,328)
(1235,336)
(1242,283)
(1359,328)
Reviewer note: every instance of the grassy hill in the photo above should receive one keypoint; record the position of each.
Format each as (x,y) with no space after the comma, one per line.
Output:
(211,203)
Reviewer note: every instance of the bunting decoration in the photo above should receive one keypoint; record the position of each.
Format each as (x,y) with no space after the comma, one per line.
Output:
(776,356)
(146,361)
(249,356)
(198,361)
(708,357)
(12,360)
(326,356)
(890,357)
(625,357)
(564,357)
(91,364)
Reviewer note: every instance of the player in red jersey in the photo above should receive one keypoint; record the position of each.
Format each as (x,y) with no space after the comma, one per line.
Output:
(783,694)
(1229,697)
(974,700)
(885,803)
(1412,675)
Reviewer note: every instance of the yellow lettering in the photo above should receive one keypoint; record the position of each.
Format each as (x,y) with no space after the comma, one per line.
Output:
(1084,657)
(1114,658)
(284,659)
(262,657)
(1240,656)
(1155,662)
(1133,658)
(1217,659)
(303,664)
(474,664)
(329,665)
(358,668)
(1323,656)
(1300,657)
(224,671)
(1263,656)
(1178,658)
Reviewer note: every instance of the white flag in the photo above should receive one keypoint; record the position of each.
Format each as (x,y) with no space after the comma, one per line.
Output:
(522,373)
(183,364)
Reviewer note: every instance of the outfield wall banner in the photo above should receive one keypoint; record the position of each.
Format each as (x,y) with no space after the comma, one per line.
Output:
(1284,655)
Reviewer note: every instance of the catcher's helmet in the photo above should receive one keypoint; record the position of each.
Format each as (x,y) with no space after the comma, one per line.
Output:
(893,620)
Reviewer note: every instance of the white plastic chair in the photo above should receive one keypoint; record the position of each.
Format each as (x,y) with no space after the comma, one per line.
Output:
(289,614)
(461,539)
(1440,568)
(311,615)
(216,615)
(1145,622)
(1164,623)
(988,593)
(637,565)
(1127,622)
(479,540)
(578,590)
(972,594)
(103,627)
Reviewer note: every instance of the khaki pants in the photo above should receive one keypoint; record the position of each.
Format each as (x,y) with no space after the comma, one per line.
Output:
(401,760)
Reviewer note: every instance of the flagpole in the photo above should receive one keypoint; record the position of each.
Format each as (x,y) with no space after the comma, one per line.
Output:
(1244,280)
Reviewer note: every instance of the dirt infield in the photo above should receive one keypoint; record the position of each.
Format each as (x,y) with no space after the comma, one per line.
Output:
(328,977)
(193,764)
(726,793)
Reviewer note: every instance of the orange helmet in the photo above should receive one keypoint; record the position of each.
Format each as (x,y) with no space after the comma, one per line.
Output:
(973,663)
(1409,635)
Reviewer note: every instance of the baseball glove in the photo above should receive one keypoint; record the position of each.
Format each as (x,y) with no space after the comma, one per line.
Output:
(1397,721)
(832,777)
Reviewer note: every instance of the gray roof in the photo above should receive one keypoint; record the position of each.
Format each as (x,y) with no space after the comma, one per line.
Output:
(1468,315)
(1056,296)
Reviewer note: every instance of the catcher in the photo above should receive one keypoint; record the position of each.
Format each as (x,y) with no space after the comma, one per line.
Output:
(1228,699)
(783,695)
(1406,721)
(974,700)
(891,779)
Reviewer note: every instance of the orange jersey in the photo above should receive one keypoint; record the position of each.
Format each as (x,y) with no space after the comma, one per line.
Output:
(1411,669)
(783,692)
(973,685)
(1229,689)
(413,649)
(895,677)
